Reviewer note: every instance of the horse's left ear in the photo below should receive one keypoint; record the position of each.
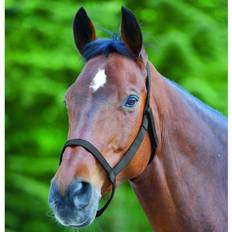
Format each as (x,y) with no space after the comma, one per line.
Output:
(130,32)
(83,29)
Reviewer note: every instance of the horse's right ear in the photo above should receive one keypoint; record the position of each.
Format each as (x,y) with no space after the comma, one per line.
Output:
(83,29)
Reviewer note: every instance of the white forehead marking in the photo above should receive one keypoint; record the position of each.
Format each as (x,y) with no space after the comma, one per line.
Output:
(99,80)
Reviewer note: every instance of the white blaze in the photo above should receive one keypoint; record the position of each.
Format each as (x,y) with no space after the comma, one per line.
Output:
(99,80)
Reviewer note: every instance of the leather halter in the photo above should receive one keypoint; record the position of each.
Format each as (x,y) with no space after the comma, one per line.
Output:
(147,125)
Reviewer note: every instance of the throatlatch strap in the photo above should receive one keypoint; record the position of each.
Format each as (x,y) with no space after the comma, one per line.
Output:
(148,124)
(148,111)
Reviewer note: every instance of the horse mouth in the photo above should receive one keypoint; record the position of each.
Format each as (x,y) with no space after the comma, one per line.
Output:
(75,220)
(85,223)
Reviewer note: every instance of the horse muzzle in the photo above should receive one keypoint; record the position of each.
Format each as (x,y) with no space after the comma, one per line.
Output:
(77,207)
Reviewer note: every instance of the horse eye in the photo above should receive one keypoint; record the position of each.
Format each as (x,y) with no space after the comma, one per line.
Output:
(131,100)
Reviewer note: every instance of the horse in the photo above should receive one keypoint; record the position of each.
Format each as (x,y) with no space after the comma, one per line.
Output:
(128,122)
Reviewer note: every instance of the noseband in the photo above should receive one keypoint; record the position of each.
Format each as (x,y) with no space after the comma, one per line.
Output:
(147,125)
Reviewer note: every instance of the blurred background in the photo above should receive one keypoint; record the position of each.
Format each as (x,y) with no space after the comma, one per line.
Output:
(185,40)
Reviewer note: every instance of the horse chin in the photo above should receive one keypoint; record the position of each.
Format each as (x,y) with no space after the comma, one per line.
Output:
(83,224)
(80,219)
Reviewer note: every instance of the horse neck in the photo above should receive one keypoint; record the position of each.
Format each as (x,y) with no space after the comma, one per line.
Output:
(184,178)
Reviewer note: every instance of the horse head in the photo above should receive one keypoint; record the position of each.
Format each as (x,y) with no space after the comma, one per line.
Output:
(105,108)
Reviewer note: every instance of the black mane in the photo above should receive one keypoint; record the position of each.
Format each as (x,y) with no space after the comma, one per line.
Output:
(106,46)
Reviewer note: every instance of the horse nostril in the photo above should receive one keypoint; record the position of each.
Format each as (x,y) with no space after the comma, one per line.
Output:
(81,194)
(78,187)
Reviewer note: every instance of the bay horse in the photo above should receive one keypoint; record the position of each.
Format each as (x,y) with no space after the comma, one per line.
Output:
(128,122)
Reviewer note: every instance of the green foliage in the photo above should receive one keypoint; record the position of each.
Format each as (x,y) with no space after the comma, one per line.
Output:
(185,40)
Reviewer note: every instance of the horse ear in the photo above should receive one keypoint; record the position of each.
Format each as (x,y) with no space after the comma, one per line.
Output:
(83,29)
(130,32)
